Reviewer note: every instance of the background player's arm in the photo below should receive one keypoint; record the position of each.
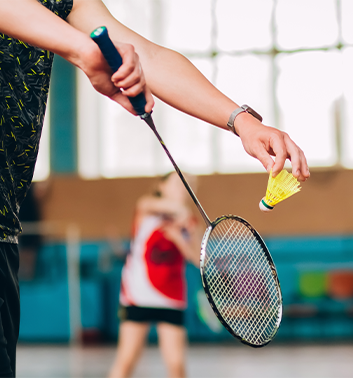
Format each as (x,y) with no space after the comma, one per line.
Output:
(188,245)
(178,220)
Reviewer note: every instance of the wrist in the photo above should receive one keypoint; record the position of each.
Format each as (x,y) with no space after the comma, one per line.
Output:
(242,122)
(83,53)
(241,115)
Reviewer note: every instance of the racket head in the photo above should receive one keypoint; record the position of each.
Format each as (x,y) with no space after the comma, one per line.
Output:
(240,280)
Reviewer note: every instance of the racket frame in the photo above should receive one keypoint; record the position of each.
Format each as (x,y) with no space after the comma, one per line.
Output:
(269,260)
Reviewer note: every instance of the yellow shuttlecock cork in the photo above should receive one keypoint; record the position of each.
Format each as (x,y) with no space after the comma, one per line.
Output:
(279,188)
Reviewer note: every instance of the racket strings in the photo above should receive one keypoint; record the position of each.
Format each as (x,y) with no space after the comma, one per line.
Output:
(241,282)
(241,265)
(242,311)
(243,308)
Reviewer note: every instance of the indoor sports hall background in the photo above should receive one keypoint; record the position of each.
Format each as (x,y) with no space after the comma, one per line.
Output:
(292,61)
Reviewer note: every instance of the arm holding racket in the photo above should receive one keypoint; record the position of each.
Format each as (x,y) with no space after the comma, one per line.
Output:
(170,76)
(173,79)
(33,23)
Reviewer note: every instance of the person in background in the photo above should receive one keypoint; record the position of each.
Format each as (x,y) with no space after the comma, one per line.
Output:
(165,235)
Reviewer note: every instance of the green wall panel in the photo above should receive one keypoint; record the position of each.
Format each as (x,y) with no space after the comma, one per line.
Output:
(63,125)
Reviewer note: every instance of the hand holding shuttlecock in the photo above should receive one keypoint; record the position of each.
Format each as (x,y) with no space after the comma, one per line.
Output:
(279,188)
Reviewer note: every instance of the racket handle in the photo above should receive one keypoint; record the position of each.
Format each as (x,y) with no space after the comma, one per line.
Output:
(112,56)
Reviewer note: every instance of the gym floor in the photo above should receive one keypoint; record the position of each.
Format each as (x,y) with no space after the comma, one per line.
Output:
(210,360)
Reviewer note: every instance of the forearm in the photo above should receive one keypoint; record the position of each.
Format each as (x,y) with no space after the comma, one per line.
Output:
(191,254)
(188,248)
(176,81)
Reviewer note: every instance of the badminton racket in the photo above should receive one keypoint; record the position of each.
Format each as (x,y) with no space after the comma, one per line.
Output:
(237,271)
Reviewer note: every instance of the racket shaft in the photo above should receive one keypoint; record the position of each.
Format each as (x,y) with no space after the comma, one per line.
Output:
(150,123)
(112,56)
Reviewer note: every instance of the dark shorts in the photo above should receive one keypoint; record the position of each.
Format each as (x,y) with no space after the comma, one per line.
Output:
(9,308)
(151,315)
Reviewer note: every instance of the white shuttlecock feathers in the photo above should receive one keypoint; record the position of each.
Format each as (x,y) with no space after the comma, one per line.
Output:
(279,188)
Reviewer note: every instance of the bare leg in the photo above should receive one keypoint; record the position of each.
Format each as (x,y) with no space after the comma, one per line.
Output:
(172,342)
(28,257)
(132,337)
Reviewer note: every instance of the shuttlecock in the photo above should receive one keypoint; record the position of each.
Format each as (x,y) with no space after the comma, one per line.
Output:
(279,188)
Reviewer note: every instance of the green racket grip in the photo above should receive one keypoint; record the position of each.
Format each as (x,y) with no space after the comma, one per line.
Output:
(112,56)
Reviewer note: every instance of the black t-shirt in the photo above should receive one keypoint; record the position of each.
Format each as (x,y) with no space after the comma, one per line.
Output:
(24,84)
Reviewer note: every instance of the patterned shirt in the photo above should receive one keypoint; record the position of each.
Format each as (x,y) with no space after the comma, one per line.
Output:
(24,84)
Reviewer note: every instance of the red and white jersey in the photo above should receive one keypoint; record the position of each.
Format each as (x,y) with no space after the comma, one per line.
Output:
(154,272)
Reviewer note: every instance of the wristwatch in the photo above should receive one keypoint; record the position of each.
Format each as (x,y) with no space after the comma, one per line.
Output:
(243,108)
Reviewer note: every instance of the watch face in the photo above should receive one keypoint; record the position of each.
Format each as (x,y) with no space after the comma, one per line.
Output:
(252,112)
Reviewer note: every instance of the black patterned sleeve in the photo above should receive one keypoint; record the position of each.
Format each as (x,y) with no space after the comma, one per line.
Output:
(61,8)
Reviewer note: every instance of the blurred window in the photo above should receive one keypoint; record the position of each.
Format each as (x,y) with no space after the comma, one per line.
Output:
(290,60)
(42,169)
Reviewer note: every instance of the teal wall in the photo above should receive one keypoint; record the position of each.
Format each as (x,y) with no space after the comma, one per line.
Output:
(63,118)
(313,315)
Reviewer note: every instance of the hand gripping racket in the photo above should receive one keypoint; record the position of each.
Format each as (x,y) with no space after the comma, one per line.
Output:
(238,274)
